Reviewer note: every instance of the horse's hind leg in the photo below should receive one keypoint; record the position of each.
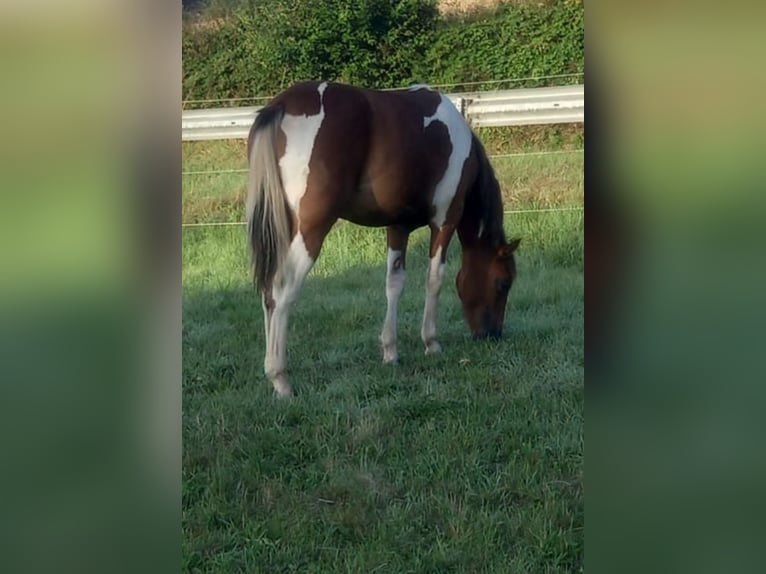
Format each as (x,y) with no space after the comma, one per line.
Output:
(440,238)
(395,274)
(267,302)
(276,311)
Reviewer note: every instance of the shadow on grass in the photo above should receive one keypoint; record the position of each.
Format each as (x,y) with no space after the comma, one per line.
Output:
(336,321)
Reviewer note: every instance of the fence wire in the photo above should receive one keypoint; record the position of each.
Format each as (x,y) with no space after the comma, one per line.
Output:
(508,212)
(495,156)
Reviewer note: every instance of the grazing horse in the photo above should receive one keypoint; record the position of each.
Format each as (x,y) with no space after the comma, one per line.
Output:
(403,159)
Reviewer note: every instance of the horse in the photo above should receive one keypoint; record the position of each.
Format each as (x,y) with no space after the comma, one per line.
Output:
(400,159)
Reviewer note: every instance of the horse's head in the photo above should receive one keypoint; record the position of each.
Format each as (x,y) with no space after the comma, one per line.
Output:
(483,284)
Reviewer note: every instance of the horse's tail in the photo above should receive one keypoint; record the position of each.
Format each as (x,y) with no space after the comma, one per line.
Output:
(269,219)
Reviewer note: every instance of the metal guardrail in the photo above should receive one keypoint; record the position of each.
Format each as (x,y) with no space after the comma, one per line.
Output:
(532,106)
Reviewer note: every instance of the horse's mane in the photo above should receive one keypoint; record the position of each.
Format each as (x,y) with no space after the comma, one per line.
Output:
(487,199)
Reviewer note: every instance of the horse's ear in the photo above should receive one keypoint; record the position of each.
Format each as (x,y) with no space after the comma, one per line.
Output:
(507,250)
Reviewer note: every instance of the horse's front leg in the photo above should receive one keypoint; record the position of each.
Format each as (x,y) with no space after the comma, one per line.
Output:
(440,238)
(288,283)
(395,274)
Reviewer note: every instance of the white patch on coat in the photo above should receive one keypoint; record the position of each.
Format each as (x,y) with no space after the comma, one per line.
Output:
(460,137)
(300,133)
(481,228)
(416,87)
(296,268)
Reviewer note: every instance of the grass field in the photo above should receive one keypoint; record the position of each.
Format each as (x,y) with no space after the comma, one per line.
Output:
(470,461)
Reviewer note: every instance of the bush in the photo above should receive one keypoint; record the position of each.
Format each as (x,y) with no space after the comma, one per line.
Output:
(271,44)
(516,42)
(275,43)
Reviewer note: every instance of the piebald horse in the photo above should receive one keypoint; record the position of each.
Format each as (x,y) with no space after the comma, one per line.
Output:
(319,152)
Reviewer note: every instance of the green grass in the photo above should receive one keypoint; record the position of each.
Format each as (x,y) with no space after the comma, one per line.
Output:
(470,461)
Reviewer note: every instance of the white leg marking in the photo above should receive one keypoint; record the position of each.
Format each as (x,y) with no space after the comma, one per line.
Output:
(266,319)
(301,133)
(460,136)
(433,288)
(395,275)
(297,267)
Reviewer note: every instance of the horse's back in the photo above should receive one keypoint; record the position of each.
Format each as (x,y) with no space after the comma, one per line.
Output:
(375,157)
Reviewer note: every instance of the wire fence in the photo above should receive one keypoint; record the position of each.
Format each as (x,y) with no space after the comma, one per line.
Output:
(505,155)
(494,156)
(507,212)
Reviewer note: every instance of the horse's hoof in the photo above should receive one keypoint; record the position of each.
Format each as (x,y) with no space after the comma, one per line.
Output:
(390,358)
(284,394)
(433,348)
(282,389)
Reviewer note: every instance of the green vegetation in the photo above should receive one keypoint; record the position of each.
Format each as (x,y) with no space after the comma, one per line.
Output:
(515,42)
(265,46)
(466,462)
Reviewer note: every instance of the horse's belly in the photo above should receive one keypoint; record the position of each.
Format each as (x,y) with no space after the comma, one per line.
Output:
(373,208)
(383,219)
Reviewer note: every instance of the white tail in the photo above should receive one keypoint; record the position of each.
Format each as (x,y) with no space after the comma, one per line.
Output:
(269,220)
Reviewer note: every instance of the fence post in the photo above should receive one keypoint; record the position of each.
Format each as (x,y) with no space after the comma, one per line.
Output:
(461,106)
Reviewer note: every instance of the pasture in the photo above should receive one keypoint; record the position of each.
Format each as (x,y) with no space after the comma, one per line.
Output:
(471,461)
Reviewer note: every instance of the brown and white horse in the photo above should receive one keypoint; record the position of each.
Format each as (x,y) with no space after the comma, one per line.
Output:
(402,159)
